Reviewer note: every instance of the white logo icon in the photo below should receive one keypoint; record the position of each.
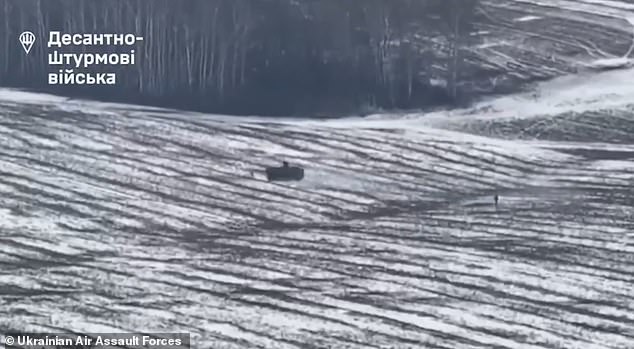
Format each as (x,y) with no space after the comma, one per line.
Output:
(27,39)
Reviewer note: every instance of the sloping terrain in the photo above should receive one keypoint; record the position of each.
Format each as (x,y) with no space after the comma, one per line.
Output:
(524,40)
(117,218)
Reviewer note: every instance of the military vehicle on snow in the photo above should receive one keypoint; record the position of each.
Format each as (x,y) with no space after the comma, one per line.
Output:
(284,173)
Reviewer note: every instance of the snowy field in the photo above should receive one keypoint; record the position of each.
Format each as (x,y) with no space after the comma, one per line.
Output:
(520,40)
(115,218)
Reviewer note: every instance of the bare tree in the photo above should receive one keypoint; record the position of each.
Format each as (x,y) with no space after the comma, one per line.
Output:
(458,17)
(220,51)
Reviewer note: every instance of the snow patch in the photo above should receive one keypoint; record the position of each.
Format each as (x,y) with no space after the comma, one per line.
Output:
(526,18)
(611,63)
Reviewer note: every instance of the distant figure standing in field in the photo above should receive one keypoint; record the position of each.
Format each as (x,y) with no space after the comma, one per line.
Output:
(496,198)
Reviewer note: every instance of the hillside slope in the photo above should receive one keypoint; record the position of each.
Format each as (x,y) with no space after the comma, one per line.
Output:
(118,218)
(518,41)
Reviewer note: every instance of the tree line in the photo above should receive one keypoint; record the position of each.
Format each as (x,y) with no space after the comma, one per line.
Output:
(265,57)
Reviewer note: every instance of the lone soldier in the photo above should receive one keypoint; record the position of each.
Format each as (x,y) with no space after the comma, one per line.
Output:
(496,198)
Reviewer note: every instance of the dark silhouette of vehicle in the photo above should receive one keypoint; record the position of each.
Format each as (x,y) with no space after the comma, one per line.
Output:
(284,173)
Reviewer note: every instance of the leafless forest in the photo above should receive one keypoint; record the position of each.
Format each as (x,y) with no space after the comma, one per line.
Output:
(264,57)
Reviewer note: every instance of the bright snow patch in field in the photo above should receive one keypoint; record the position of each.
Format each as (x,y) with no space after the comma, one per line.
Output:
(527,18)
(611,63)
(576,93)
(615,165)
(609,3)
(29,97)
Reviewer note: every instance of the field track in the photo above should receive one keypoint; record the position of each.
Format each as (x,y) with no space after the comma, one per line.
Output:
(123,219)
(524,40)
(118,218)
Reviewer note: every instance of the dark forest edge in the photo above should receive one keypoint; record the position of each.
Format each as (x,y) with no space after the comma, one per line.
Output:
(264,57)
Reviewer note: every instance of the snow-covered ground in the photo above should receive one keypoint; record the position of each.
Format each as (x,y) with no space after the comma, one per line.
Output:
(524,40)
(118,218)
